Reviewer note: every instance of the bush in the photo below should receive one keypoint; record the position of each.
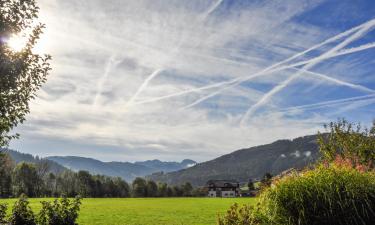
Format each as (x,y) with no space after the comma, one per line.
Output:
(22,213)
(331,195)
(237,215)
(60,212)
(3,213)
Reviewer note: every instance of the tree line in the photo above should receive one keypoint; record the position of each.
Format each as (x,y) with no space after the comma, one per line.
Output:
(36,180)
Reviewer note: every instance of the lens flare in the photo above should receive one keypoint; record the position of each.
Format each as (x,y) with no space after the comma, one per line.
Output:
(17,43)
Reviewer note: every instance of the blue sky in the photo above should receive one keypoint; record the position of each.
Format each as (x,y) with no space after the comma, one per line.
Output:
(137,80)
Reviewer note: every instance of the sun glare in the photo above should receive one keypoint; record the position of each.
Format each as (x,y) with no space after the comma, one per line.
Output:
(17,42)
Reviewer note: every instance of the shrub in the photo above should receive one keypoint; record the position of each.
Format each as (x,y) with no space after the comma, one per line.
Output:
(237,215)
(22,213)
(349,141)
(59,212)
(3,213)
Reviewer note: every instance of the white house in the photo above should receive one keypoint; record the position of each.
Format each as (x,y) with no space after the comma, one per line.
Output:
(223,188)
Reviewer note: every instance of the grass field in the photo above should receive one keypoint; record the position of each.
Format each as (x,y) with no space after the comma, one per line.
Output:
(155,211)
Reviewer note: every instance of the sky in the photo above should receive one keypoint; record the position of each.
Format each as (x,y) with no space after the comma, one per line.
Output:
(175,79)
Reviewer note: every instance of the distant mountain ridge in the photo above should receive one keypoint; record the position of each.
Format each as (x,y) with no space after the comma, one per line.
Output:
(248,163)
(126,170)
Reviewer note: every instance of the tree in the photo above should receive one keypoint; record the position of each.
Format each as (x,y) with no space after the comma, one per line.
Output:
(162,190)
(123,187)
(152,189)
(21,73)
(26,180)
(266,180)
(187,189)
(85,183)
(6,167)
(250,185)
(139,187)
(349,141)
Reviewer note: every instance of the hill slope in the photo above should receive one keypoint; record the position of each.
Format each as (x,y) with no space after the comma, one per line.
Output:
(126,170)
(23,157)
(248,163)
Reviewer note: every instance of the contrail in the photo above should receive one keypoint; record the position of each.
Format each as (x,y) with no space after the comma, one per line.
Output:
(334,80)
(174,52)
(143,86)
(111,62)
(356,49)
(237,81)
(315,61)
(212,8)
(328,103)
(337,81)
(233,83)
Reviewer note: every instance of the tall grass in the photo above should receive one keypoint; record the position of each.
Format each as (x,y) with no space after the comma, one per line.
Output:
(326,195)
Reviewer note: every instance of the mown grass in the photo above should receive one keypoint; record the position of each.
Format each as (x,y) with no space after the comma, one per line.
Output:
(144,211)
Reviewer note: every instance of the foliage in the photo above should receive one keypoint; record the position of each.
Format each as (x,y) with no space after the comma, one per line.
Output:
(22,213)
(26,180)
(266,181)
(23,72)
(349,141)
(6,167)
(151,189)
(59,212)
(3,213)
(237,215)
(250,185)
(139,187)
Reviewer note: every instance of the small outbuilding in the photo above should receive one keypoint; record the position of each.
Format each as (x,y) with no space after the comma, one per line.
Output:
(223,188)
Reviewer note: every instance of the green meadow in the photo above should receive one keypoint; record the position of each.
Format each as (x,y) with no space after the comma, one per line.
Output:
(153,211)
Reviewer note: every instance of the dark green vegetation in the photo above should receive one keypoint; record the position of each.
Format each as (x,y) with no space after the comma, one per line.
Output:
(36,180)
(59,212)
(21,73)
(148,211)
(126,170)
(339,189)
(248,163)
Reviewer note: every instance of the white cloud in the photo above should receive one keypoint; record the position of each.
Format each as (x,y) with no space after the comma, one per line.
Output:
(124,72)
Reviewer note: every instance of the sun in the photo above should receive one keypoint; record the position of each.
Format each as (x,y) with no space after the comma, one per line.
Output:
(17,42)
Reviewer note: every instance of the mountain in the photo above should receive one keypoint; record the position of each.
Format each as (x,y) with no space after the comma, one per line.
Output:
(248,163)
(126,170)
(22,157)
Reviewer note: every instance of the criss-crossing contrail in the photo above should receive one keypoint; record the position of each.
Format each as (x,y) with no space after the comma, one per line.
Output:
(363,30)
(174,52)
(231,83)
(236,81)
(143,86)
(337,81)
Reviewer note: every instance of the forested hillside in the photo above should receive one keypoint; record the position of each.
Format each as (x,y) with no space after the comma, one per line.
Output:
(23,157)
(248,163)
